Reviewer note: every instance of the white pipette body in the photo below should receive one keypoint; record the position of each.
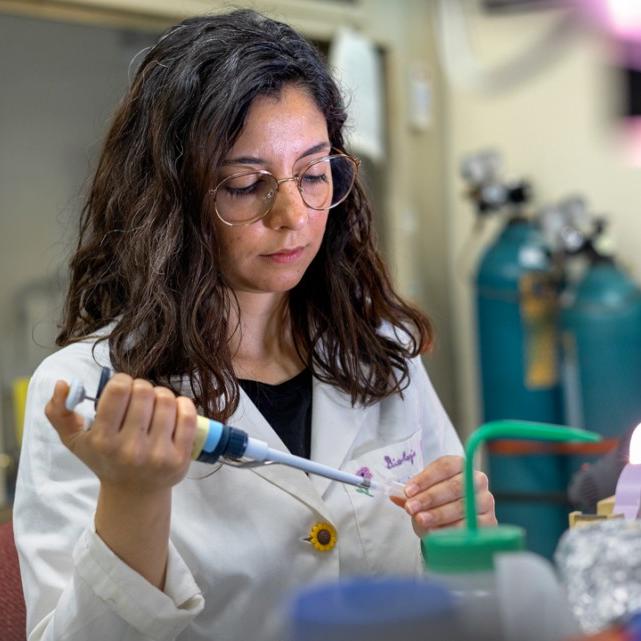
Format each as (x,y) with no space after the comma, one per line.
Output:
(388,488)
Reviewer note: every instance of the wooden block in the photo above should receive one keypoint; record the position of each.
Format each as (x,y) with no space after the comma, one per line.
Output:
(605,506)
(578,519)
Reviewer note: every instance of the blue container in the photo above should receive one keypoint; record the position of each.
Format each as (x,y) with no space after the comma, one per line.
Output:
(374,609)
(632,626)
(601,345)
(516,304)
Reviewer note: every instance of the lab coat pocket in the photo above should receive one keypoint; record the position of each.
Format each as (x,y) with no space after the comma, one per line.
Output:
(385,529)
(397,461)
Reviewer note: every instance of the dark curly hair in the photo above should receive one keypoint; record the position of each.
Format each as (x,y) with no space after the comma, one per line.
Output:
(147,258)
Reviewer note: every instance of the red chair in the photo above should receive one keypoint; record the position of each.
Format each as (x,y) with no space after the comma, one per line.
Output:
(12,609)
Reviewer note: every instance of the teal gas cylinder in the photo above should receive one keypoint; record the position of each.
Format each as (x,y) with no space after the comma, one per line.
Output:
(516,303)
(601,346)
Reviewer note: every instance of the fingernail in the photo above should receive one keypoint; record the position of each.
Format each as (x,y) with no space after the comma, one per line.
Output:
(426,519)
(413,506)
(411,490)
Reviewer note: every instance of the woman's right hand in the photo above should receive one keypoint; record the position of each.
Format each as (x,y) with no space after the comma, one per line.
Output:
(140,440)
(139,447)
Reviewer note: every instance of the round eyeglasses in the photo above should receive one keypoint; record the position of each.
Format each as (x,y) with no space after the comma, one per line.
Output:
(248,196)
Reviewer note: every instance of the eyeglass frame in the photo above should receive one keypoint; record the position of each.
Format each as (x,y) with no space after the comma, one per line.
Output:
(280,181)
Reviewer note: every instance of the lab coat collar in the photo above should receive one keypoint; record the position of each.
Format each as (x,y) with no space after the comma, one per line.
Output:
(335,425)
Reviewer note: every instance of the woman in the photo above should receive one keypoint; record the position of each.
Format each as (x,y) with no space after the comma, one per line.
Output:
(226,263)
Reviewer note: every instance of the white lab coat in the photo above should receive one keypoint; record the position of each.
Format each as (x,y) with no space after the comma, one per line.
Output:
(238,548)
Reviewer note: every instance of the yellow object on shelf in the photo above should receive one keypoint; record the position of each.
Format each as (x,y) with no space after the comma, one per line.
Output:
(19,388)
(604,511)
(605,507)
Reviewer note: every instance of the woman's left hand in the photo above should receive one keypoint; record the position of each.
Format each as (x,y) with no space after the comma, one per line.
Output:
(435,496)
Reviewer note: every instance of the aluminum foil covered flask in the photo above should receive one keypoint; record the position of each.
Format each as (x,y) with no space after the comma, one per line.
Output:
(600,563)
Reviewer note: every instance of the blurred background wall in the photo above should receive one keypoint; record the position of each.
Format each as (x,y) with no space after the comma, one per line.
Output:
(60,83)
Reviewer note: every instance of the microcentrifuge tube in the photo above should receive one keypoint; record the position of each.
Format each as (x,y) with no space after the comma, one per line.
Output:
(388,487)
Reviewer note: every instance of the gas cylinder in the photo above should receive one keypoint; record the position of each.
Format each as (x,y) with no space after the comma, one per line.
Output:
(600,340)
(601,345)
(516,298)
(515,301)
(516,311)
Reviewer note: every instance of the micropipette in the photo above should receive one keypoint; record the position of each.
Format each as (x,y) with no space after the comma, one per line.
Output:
(215,441)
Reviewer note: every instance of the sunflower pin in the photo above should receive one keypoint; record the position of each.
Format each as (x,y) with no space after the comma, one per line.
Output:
(322,536)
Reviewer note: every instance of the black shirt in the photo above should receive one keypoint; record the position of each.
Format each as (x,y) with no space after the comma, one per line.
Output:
(287,407)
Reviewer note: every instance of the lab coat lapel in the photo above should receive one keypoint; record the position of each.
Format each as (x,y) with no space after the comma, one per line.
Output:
(335,425)
(293,481)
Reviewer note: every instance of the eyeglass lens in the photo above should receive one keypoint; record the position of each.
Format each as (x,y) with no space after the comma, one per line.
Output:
(323,184)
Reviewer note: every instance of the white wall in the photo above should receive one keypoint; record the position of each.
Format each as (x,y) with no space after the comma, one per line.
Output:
(58,86)
(59,83)
(559,130)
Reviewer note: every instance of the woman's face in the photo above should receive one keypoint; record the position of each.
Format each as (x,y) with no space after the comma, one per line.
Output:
(281,135)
